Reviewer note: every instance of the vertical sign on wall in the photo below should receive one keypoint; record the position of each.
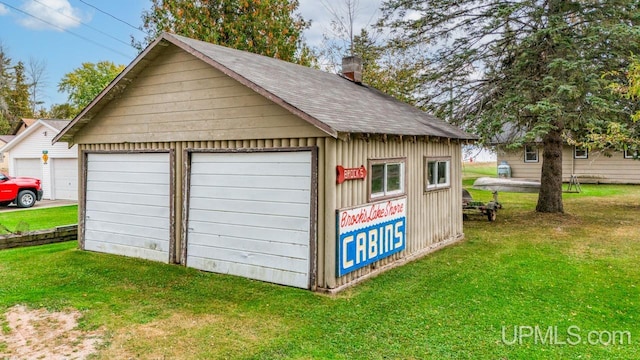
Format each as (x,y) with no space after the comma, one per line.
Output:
(370,233)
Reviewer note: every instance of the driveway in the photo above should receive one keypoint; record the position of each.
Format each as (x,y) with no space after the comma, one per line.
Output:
(40,205)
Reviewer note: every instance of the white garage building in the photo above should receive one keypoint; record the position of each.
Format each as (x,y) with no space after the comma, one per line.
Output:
(236,163)
(26,157)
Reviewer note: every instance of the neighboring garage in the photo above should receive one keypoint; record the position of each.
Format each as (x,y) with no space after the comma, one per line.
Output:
(240,164)
(28,167)
(136,184)
(31,153)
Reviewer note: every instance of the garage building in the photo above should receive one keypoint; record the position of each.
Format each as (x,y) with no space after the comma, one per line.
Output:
(232,162)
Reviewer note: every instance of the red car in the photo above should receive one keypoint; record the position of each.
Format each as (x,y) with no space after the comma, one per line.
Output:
(23,191)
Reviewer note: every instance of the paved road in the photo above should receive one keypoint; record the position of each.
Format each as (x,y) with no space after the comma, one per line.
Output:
(39,205)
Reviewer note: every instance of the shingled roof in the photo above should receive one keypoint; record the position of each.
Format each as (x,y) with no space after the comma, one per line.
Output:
(330,102)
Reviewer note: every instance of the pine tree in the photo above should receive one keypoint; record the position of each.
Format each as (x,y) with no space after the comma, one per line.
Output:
(536,67)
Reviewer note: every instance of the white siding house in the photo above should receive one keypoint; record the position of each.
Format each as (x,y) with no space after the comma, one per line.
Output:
(25,156)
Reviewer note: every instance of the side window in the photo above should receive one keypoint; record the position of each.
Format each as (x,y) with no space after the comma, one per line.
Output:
(580,153)
(387,178)
(438,173)
(530,153)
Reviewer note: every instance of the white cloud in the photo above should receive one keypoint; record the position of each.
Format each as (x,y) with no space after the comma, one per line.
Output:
(3,10)
(51,14)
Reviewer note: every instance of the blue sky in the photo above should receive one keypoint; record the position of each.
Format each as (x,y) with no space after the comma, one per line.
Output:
(74,31)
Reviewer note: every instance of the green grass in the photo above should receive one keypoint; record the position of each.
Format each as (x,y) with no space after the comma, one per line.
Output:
(526,269)
(38,219)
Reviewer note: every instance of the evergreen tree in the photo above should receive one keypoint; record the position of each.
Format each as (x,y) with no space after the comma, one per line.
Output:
(535,67)
(19,96)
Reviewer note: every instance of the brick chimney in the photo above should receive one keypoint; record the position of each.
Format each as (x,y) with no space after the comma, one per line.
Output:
(352,68)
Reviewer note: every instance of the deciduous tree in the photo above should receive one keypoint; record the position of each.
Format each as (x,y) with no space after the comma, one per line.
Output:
(534,66)
(85,83)
(266,27)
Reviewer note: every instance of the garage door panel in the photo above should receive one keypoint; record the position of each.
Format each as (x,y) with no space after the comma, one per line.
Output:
(126,164)
(254,157)
(130,188)
(248,182)
(276,195)
(119,218)
(150,211)
(140,232)
(256,207)
(28,167)
(248,169)
(132,251)
(296,251)
(128,240)
(252,272)
(251,258)
(248,231)
(65,178)
(126,198)
(125,178)
(265,220)
(133,219)
(249,215)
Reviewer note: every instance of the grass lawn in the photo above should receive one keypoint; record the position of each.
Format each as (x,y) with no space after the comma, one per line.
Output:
(38,219)
(576,273)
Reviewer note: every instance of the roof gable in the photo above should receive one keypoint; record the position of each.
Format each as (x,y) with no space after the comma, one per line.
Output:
(53,125)
(330,102)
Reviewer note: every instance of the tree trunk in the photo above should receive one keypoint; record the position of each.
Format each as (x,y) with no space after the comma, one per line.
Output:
(550,196)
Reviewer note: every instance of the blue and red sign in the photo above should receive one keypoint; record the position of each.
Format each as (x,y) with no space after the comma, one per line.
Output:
(370,233)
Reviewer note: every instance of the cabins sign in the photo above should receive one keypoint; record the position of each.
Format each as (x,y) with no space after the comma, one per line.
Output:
(370,233)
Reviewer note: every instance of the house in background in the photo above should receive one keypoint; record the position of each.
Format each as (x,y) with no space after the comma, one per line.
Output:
(58,170)
(237,163)
(4,161)
(587,166)
(22,125)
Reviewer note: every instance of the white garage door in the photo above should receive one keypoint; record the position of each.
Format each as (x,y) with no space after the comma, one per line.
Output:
(65,179)
(127,205)
(249,215)
(28,167)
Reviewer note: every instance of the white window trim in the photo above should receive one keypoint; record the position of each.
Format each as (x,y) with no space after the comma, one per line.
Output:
(576,156)
(628,155)
(388,194)
(537,159)
(447,184)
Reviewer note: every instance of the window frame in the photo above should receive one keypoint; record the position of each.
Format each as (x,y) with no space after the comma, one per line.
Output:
(385,194)
(437,160)
(575,152)
(537,159)
(628,155)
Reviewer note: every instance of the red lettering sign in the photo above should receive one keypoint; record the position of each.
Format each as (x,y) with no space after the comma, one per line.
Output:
(350,173)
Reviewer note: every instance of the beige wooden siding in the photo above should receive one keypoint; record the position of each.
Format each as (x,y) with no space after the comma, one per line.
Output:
(597,168)
(519,168)
(432,217)
(180,98)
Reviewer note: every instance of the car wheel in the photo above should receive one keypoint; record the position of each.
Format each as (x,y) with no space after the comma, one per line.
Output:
(26,198)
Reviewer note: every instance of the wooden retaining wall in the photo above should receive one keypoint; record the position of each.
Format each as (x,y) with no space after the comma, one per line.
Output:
(40,237)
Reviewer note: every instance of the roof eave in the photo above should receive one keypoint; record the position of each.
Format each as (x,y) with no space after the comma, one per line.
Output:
(84,116)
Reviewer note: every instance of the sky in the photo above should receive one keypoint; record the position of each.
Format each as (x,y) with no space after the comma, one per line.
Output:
(63,34)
